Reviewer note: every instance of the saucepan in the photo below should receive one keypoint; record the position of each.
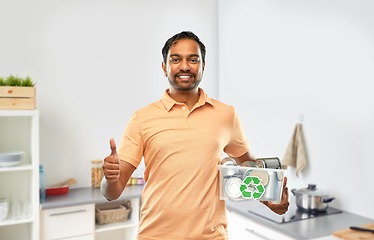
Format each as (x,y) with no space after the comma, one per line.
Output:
(311,199)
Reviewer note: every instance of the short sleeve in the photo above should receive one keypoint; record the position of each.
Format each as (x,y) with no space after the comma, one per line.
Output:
(131,146)
(238,144)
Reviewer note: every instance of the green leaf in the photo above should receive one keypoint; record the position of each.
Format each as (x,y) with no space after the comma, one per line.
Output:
(16,81)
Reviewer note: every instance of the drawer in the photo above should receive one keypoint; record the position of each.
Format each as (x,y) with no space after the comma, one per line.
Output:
(240,226)
(84,237)
(67,222)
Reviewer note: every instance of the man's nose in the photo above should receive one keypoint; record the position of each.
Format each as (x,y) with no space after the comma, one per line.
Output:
(184,65)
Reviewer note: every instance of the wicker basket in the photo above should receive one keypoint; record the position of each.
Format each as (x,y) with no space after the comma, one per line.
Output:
(112,213)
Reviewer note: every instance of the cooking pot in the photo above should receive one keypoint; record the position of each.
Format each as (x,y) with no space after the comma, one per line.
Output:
(311,199)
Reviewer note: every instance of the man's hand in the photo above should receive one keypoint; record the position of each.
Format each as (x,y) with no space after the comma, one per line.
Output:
(283,206)
(111,166)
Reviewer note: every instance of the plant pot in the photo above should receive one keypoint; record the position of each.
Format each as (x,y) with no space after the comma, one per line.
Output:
(17,98)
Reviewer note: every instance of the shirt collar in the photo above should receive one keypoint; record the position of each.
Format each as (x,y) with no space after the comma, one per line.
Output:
(169,102)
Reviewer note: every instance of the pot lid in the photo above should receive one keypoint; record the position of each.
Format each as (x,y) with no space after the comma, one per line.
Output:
(312,190)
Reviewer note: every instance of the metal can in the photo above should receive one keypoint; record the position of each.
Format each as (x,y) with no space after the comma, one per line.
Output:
(261,174)
(249,164)
(231,166)
(232,187)
(272,162)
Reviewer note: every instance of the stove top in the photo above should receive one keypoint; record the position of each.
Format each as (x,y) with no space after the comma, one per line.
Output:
(293,214)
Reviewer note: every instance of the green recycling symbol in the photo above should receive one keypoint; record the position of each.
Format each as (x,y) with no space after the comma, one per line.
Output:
(255,183)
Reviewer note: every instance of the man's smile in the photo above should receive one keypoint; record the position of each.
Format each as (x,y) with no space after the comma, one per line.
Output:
(184,76)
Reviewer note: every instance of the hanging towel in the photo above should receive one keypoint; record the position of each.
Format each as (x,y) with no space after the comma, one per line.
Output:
(295,153)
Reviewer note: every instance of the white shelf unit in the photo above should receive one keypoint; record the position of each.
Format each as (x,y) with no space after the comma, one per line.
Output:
(19,131)
(120,230)
(78,222)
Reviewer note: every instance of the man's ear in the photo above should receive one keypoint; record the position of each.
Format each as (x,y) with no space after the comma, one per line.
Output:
(164,68)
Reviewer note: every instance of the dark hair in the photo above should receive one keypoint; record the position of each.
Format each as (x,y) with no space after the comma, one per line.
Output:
(182,35)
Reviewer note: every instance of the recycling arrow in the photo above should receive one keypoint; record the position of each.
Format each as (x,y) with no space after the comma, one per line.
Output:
(253,183)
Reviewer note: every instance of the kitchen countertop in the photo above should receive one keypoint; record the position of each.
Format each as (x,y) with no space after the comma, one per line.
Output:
(320,228)
(87,195)
(312,228)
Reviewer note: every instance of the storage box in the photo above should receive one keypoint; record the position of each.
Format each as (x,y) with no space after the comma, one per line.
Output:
(17,98)
(250,183)
(112,213)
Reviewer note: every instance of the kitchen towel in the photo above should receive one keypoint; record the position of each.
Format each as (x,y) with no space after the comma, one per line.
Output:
(295,153)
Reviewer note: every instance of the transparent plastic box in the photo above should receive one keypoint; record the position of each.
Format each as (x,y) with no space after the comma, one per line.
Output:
(251,183)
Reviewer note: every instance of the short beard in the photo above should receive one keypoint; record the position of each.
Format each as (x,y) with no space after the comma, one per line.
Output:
(179,88)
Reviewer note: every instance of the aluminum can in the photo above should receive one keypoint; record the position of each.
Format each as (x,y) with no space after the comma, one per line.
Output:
(272,162)
(261,174)
(231,165)
(232,187)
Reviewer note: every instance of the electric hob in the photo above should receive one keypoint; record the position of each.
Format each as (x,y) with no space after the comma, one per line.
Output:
(293,214)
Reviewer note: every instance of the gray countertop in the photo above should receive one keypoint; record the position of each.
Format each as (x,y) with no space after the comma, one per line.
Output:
(303,229)
(87,195)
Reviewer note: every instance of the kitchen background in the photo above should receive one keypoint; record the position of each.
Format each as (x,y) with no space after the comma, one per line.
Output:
(96,62)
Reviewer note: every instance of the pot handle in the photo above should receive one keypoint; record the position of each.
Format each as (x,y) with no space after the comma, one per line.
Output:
(327,200)
(293,191)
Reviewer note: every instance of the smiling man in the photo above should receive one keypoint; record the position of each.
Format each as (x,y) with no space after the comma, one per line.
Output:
(181,137)
(184,65)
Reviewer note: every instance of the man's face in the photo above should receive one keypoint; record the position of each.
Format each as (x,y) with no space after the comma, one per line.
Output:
(184,67)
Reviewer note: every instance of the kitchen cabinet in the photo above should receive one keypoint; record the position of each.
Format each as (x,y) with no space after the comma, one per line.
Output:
(67,222)
(19,131)
(242,228)
(78,222)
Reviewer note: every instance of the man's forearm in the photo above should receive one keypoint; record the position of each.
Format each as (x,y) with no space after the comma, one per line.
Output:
(248,156)
(111,190)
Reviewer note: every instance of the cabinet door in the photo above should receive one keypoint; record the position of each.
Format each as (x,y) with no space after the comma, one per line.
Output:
(68,222)
(241,228)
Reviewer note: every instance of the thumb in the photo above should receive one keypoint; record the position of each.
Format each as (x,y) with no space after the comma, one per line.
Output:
(285,181)
(113,148)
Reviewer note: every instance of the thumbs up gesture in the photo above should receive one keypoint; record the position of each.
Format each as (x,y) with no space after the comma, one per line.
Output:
(111,165)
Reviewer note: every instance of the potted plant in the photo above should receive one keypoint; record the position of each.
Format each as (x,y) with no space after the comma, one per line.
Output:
(17,93)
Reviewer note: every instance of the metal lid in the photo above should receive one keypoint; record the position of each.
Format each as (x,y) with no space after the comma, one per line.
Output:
(260,163)
(228,161)
(248,164)
(312,190)
(261,174)
(232,187)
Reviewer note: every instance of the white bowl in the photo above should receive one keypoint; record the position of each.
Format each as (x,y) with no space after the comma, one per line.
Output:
(11,159)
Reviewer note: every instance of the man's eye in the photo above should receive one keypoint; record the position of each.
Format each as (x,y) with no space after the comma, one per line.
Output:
(174,60)
(194,60)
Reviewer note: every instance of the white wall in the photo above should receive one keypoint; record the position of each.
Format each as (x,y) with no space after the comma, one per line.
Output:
(281,59)
(95,63)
